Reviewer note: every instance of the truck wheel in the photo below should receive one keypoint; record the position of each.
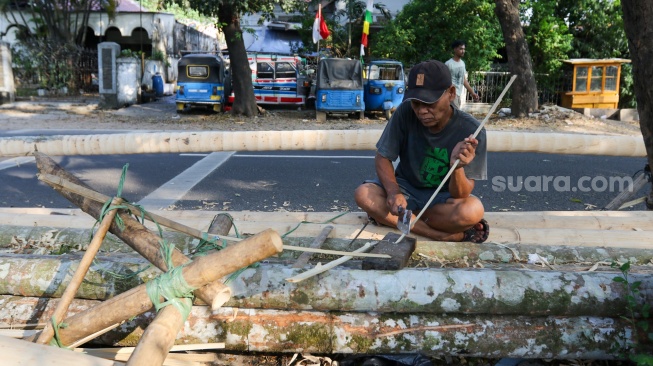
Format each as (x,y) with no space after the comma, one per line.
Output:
(320,116)
(388,114)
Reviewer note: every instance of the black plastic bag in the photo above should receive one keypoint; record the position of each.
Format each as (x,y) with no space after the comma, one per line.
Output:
(387,360)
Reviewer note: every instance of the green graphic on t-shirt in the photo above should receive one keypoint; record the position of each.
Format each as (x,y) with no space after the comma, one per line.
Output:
(434,166)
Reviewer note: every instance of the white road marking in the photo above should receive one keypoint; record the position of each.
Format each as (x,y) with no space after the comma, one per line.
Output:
(174,189)
(294,156)
(15,162)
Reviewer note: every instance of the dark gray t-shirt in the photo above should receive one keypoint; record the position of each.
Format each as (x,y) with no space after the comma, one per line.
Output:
(424,156)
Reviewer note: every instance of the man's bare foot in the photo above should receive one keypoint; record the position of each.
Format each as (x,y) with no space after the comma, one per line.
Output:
(477,233)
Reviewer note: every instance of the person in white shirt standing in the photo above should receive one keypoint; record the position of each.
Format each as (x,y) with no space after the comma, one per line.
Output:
(458,72)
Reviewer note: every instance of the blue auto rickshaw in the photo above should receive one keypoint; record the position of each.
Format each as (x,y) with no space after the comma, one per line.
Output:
(201,81)
(384,86)
(339,88)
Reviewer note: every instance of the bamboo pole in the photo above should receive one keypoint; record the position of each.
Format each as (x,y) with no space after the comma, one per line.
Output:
(87,193)
(186,142)
(68,296)
(201,271)
(133,234)
(158,338)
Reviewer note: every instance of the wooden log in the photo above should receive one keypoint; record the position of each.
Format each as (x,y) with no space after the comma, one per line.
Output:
(180,142)
(21,353)
(67,297)
(440,291)
(219,292)
(493,336)
(158,338)
(133,233)
(303,259)
(201,271)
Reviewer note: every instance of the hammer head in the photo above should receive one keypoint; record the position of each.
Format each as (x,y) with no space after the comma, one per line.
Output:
(400,253)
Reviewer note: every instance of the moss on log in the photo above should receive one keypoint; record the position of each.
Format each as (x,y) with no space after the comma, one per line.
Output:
(452,291)
(492,336)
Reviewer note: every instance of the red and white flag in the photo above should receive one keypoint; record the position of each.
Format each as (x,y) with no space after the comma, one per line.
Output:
(320,30)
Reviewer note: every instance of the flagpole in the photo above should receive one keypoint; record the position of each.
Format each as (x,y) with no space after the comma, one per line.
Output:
(319,12)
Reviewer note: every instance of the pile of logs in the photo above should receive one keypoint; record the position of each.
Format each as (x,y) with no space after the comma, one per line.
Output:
(541,287)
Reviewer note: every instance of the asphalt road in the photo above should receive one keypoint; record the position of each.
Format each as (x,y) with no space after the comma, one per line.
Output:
(319,181)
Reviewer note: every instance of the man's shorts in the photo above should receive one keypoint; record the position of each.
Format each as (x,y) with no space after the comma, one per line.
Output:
(416,197)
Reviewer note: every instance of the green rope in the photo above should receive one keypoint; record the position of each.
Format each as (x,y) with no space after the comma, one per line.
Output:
(171,286)
(310,222)
(56,341)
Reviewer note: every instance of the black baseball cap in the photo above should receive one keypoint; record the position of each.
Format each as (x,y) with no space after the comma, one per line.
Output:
(427,81)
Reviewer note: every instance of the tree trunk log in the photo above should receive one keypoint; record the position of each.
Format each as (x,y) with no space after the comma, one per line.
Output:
(502,290)
(178,142)
(197,273)
(524,94)
(494,336)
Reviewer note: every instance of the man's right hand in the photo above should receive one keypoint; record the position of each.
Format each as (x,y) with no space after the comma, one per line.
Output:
(395,201)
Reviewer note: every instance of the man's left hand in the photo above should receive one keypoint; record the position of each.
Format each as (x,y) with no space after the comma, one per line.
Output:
(465,151)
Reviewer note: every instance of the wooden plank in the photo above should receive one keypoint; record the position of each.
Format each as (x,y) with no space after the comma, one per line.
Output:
(22,353)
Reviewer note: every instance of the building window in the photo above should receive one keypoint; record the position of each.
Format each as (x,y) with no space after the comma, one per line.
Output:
(611,78)
(597,79)
(581,79)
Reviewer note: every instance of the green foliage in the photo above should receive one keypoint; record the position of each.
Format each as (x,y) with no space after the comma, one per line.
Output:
(549,39)
(129,53)
(627,87)
(597,27)
(424,30)
(637,316)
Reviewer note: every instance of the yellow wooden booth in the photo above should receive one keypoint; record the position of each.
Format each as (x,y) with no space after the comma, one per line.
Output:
(595,83)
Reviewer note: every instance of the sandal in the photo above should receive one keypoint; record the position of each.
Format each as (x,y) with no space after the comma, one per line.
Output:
(477,236)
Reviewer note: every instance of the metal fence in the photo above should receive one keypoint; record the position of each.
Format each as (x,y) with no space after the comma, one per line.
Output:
(489,84)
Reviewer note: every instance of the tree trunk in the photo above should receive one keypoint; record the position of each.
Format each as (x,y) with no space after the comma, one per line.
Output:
(241,74)
(263,330)
(524,92)
(637,15)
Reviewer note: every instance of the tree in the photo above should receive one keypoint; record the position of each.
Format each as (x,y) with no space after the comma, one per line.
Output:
(524,90)
(637,15)
(424,30)
(228,13)
(597,27)
(549,39)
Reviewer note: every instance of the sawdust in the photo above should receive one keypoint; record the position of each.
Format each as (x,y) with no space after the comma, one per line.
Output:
(83,113)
